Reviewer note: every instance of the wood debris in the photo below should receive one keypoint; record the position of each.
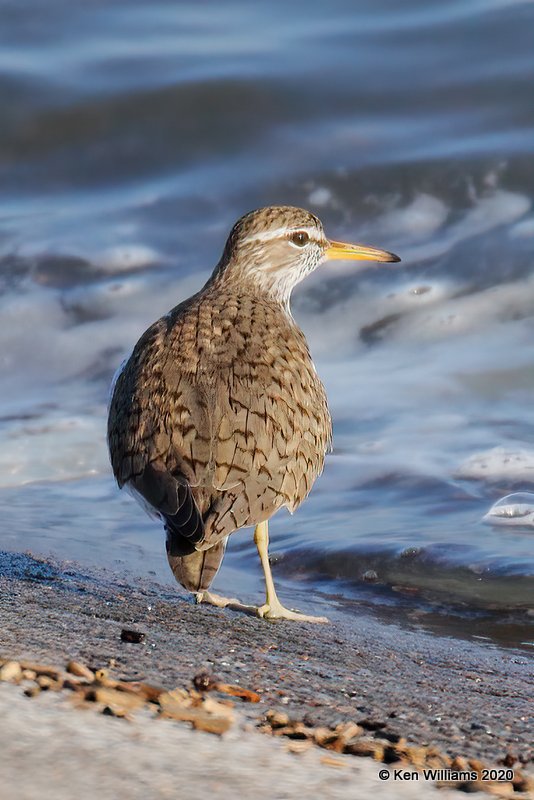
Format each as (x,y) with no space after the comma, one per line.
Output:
(114,698)
(80,670)
(204,682)
(353,739)
(206,714)
(332,762)
(120,698)
(41,669)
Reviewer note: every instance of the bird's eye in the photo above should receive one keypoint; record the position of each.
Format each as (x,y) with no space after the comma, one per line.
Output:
(300,238)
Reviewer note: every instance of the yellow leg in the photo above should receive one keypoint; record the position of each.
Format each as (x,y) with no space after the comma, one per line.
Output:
(273,608)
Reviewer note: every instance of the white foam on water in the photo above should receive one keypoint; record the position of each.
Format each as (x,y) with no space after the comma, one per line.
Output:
(443,366)
(424,407)
(60,447)
(414,312)
(422,218)
(496,209)
(343,322)
(523,229)
(420,231)
(321,196)
(460,315)
(53,414)
(42,344)
(127,257)
(436,309)
(499,464)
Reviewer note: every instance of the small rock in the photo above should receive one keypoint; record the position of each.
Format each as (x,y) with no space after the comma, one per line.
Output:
(277,719)
(459,764)
(372,724)
(364,747)
(509,760)
(390,736)
(110,711)
(346,732)
(41,669)
(45,682)
(410,552)
(204,682)
(299,746)
(324,737)
(131,636)
(10,671)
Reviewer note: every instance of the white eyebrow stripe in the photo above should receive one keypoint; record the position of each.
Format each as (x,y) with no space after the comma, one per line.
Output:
(279,233)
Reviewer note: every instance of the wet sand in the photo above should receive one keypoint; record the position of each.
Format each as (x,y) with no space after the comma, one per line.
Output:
(468,699)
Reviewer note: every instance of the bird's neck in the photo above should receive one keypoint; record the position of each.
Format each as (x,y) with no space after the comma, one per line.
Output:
(271,288)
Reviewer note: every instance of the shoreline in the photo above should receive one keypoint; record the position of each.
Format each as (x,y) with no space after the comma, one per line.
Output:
(158,758)
(467,699)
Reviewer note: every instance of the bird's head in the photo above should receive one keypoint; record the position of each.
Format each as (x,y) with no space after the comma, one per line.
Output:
(274,248)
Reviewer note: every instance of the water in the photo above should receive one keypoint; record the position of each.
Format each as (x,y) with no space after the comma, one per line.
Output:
(516,509)
(133,136)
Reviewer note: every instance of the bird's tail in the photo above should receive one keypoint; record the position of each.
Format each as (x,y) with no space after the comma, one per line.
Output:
(169,496)
(197,570)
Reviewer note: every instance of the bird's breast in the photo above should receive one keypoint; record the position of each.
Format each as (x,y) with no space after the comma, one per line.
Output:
(272,422)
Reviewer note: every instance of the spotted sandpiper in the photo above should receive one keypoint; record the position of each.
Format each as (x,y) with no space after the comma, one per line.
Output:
(218,419)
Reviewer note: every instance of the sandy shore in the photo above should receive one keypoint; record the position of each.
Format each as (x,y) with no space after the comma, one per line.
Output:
(51,754)
(468,699)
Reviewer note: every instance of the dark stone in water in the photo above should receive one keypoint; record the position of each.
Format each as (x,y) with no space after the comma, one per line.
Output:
(411,552)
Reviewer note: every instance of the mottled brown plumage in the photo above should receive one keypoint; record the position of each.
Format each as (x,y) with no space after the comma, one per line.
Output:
(218,418)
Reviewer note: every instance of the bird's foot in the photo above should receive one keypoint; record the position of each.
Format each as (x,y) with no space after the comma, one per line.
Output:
(216,600)
(275,610)
(271,611)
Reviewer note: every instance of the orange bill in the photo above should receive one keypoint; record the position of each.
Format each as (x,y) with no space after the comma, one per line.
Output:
(360,252)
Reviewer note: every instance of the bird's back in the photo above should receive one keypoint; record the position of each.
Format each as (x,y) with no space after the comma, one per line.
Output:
(219,418)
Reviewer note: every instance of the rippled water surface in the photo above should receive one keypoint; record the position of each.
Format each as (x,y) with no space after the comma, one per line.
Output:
(134,134)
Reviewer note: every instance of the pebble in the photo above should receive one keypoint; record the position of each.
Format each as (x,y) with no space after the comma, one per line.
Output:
(10,671)
(131,636)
